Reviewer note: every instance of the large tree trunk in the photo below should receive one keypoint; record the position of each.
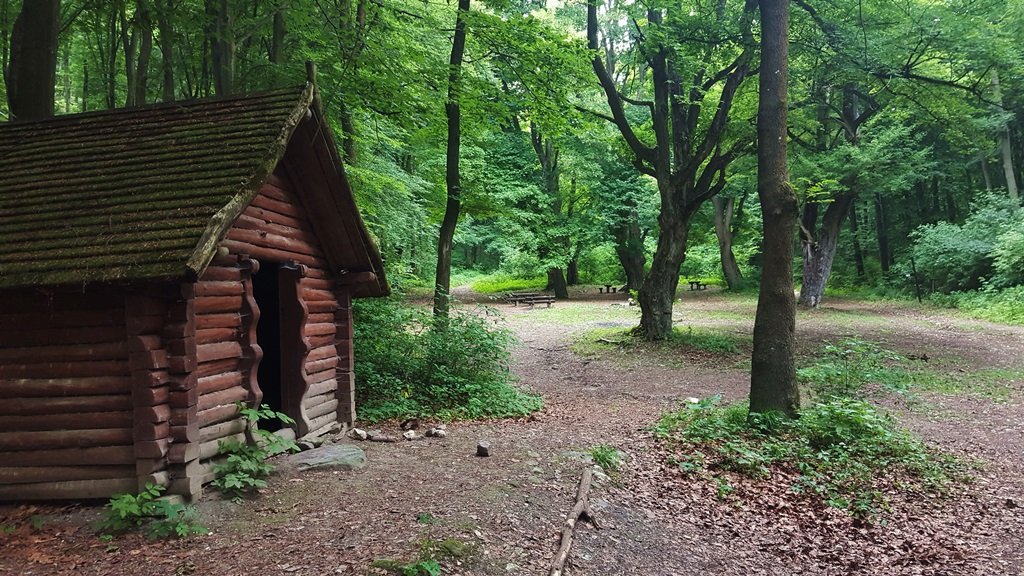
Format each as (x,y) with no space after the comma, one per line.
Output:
(773,384)
(819,252)
(443,272)
(137,43)
(658,292)
(629,247)
(222,45)
(556,282)
(32,73)
(547,154)
(276,55)
(724,209)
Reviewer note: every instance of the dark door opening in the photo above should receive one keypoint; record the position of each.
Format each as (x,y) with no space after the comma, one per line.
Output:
(267,293)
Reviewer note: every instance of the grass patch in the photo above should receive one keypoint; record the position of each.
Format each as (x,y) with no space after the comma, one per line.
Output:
(860,368)
(428,562)
(607,457)
(1005,306)
(498,283)
(843,451)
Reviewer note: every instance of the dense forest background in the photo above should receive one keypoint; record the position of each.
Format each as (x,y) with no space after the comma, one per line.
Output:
(602,142)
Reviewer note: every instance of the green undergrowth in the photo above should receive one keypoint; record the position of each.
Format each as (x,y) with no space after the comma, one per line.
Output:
(621,341)
(498,283)
(1005,306)
(431,553)
(842,451)
(408,364)
(861,368)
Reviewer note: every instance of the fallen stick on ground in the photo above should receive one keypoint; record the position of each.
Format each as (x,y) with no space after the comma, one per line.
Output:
(580,510)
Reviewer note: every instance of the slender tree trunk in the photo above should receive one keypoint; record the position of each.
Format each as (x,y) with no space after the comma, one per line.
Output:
(819,252)
(882,231)
(443,273)
(277,38)
(724,209)
(858,254)
(773,384)
(572,271)
(32,74)
(629,247)
(222,45)
(1004,144)
(165,13)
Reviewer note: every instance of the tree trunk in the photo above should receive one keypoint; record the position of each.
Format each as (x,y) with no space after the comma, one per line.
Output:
(858,254)
(222,45)
(1004,144)
(819,252)
(629,246)
(882,231)
(443,273)
(277,38)
(556,282)
(32,72)
(773,384)
(724,208)
(164,14)
(572,271)
(658,292)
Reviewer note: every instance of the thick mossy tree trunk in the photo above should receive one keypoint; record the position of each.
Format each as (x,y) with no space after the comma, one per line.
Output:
(819,252)
(453,205)
(659,289)
(32,72)
(557,283)
(773,384)
(724,210)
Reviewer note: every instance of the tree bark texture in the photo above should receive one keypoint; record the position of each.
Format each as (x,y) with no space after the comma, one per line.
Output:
(687,160)
(629,247)
(819,252)
(547,154)
(882,233)
(1005,147)
(724,210)
(222,45)
(32,73)
(453,205)
(858,253)
(773,372)
(164,13)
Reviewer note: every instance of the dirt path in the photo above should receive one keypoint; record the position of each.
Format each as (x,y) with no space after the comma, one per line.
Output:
(501,515)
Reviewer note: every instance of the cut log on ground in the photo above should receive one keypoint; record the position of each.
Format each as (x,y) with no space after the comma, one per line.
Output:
(580,510)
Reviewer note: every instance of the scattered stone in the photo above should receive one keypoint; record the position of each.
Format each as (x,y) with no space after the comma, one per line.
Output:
(437,433)
(483,448)
(358,434)
(305,445)
(409,435)
(381,437)
(336,456)
(410,424)
(1011,503)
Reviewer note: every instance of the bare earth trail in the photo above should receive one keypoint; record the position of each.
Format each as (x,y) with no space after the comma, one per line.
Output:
(505,511)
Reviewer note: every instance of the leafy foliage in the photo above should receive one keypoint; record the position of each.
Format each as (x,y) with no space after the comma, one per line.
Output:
(245,468)
(161,518)
(843,451)
(607,457)
(409,365)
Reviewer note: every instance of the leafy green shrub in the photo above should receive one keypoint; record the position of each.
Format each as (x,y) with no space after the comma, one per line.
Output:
(850,364)
(959,257)
(607,457)
(1005,306)
(161,518)
(245,468)
(1008,254)
(409,365)
(844,450)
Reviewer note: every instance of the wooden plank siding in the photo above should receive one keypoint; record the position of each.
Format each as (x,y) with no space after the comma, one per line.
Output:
(67,408)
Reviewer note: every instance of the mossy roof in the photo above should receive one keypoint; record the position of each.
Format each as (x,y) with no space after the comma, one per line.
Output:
(137,194)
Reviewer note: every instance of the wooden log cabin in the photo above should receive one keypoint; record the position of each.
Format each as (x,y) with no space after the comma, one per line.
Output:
(159,266)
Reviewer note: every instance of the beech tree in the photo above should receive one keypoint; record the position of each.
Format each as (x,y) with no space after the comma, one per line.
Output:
(32,71)
(773,384)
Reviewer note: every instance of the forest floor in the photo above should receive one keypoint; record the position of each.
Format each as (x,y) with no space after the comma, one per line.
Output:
(502,514)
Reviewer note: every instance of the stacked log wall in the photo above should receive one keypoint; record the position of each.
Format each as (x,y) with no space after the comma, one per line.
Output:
(67,408)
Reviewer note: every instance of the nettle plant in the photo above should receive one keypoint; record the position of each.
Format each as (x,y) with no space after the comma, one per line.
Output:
(245,468)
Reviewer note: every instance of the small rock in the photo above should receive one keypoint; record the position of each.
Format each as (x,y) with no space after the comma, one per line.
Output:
(410,424)
(358,434)
(1011,503)
(437,432)
(409,435)
(483,448)
(381,437)
(305,445)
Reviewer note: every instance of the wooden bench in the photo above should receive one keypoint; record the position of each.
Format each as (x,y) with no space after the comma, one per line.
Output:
(607,287)
(697,285)
(528,298)
(540,299)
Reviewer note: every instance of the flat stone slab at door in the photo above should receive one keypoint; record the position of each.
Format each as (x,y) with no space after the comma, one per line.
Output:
(332,456)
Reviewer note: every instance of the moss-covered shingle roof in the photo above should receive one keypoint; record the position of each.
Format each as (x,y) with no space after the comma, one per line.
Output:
(134,194)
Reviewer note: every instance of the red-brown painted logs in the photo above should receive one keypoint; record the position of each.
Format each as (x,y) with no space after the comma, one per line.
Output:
(47,387)
(72,489)
(98,456)
(219,382)
(217,304)
(222,398)
(211,335)
(65,404)
(225,320)
(62,370)
(64,439)
(80,421)
(218,351)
